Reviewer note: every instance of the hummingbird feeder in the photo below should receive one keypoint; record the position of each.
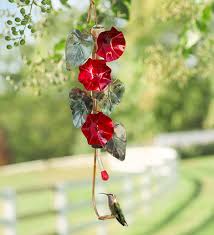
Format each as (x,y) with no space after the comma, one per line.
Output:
(101,93)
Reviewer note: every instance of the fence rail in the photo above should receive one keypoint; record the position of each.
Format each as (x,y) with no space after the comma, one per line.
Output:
(153,181)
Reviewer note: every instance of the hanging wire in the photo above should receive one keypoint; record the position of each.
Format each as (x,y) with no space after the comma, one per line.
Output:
(92,8)
(94,182)
(105,217)
(94,110)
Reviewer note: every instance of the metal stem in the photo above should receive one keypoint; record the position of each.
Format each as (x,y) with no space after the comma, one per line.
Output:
(94,110)
(94,182)
(92,7)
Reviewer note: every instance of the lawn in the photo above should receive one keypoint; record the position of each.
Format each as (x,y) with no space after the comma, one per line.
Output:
(187,211)
(191,209)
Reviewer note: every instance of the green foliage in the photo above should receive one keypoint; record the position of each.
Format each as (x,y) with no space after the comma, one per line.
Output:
(64,2)
(196,150)
(23,21)
(59,46)
(163,92)
(46,64)
(204,19)
(9,47)
(182,107)
(121,8)
(38,127)
(200,24)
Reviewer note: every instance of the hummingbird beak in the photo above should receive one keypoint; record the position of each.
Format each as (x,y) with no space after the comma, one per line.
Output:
(104,194)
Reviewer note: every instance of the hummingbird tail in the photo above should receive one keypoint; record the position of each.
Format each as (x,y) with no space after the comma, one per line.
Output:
(122,222)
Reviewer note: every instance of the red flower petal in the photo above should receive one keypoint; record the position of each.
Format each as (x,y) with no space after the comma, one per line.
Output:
(98,129)
(95,75)
(111,44)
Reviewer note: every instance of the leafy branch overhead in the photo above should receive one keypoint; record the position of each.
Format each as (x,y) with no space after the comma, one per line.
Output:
(121,8)
(112,96)
(81,105)
(22,24)
(199,27)
(22,21)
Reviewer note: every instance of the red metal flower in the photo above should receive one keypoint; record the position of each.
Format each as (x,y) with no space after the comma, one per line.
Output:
(95,75)
(111,44)
(98,129)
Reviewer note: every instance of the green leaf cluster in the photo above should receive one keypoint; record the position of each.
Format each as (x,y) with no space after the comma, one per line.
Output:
(22,21)
(121,8)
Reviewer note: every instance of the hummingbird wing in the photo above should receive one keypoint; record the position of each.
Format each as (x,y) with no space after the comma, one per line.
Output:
(119,214)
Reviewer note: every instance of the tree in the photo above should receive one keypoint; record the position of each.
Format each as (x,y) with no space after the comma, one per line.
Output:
(169,56)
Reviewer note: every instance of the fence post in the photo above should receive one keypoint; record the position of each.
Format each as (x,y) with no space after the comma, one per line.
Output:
(61,204)
(10,211)
(102,228)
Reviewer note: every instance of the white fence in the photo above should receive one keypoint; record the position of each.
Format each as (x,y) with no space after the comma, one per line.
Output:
(185,138)
(154,170)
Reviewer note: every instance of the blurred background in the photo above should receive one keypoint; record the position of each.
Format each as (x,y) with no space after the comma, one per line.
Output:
(166,184)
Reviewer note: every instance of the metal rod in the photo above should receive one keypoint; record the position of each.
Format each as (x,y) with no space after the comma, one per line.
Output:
(92,7)
(94,182)
(94,110)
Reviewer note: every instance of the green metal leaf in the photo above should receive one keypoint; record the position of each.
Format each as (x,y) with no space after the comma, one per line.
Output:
(78,49)
(117,145)
(81,105)
(112,97)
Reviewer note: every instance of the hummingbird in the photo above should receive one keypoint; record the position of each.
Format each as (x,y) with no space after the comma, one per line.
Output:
(115,209)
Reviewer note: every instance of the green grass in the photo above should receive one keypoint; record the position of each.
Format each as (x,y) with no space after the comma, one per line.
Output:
(191,209)
(187,211)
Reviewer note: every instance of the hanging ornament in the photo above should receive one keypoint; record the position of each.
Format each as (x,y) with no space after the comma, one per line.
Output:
(103,172)
(99,97)
(111,44)
(95,75)
(98,129)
